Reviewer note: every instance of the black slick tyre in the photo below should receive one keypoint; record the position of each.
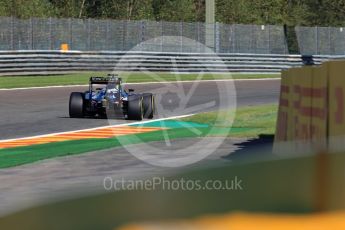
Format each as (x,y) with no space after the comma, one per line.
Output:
(149,105)
(76,105)
(135,108)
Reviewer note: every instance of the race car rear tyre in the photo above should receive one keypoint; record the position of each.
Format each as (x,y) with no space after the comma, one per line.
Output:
(149,105)
(135,108)
(76,105)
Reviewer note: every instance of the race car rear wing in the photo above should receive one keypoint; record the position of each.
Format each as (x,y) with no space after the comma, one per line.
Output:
(105,80)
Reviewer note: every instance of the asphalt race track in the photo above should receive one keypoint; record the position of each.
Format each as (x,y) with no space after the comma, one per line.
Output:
(38,111)
(32,112)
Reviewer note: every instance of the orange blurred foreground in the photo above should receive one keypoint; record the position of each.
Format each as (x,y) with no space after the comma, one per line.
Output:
(243,221)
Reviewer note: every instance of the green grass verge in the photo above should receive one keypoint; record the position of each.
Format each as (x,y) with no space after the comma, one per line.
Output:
(29,154)
(249,122)
(82,78)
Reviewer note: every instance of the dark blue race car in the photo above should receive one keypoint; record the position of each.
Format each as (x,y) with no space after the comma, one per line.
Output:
(111,101)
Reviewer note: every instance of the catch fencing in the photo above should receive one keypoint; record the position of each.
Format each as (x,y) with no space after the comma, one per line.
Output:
(321,40)
(120,35)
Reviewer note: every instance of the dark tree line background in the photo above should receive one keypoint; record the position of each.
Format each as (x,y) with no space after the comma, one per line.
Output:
(281,12)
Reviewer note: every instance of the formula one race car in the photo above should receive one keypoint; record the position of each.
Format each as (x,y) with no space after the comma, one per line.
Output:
(111,101)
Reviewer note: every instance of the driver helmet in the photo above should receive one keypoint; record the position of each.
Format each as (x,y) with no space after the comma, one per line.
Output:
(112,89)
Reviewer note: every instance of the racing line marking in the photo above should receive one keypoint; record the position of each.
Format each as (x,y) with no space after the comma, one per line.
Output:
(79,135)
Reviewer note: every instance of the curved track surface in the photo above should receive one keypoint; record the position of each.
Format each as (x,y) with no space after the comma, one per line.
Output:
(32,112)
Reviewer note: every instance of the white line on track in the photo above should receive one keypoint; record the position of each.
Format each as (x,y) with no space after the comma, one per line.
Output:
(43,87)
(100,127)
(144,83)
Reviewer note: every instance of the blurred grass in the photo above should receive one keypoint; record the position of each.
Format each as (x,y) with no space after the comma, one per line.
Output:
(82,78)
(251,120)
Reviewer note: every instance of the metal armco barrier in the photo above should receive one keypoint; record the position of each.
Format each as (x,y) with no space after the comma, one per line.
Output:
(311,115)
(57,62)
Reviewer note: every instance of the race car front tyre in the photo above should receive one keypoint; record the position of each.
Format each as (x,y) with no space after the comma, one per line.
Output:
(76,105)
(149,105)
(135,108)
